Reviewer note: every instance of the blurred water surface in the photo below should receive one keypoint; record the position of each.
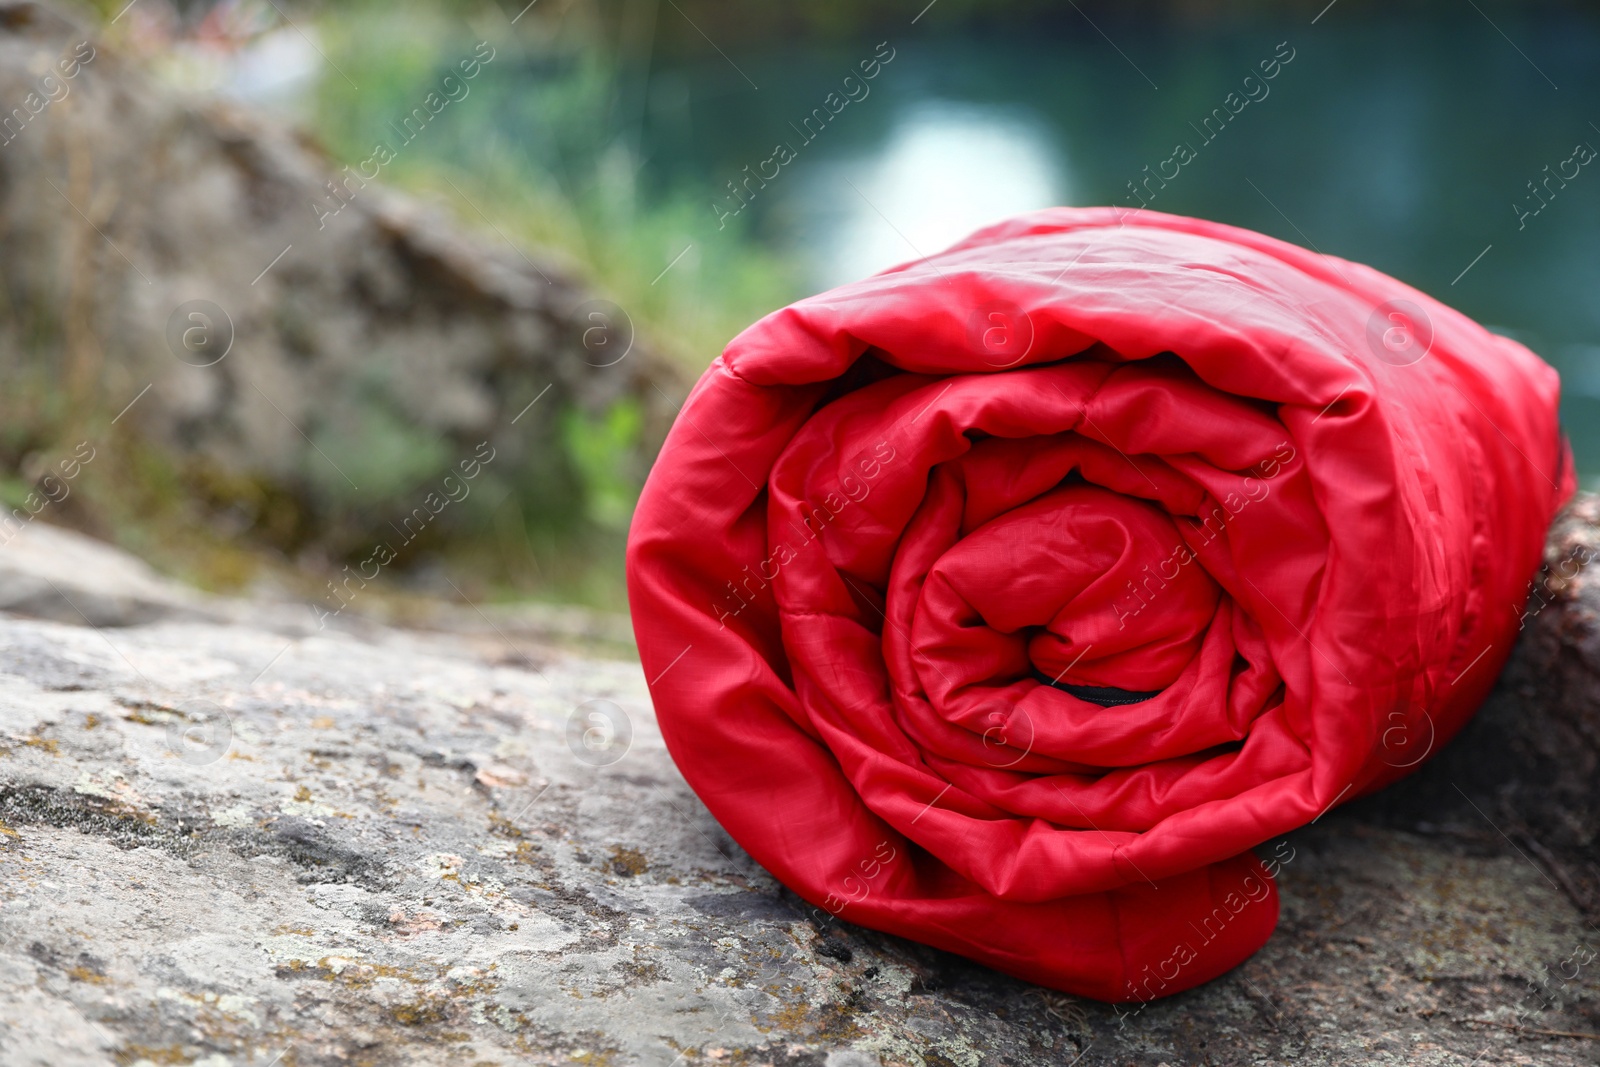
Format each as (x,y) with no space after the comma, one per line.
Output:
(1409,146)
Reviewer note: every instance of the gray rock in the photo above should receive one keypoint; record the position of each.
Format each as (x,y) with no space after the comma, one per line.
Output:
(226,844)
(53,573)
(346,362)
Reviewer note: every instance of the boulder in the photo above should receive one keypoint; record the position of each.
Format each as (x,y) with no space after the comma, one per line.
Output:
(313,352)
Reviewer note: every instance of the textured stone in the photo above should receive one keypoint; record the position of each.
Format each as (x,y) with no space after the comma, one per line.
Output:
(50,572)
(226,843)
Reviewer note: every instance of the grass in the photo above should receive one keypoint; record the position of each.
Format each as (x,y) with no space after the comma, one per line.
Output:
(540,151)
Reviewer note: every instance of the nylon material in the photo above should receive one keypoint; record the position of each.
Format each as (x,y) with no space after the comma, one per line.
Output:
(1191,473)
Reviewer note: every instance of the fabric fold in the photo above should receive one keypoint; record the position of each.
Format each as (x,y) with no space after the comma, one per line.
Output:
(906,535)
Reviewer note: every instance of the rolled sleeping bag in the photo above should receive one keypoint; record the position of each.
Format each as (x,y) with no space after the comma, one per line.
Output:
(1008,599)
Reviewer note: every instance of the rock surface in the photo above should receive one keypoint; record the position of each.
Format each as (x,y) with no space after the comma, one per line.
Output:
(235,840)
(49,572)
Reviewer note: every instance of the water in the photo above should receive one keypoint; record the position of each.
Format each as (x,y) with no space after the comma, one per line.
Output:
(1404,145)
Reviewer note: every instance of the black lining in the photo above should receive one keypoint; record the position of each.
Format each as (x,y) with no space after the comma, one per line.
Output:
(1105,695)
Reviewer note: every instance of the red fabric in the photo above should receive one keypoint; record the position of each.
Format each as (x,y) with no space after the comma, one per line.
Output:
(1107,449)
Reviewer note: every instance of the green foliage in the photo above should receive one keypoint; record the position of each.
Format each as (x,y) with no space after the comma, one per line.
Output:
(605,450)
(540,151)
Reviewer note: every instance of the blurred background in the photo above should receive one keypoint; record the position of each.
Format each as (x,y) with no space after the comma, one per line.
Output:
(626,155)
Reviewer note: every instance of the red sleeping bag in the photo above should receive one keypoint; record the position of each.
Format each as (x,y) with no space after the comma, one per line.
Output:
(1008,599)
